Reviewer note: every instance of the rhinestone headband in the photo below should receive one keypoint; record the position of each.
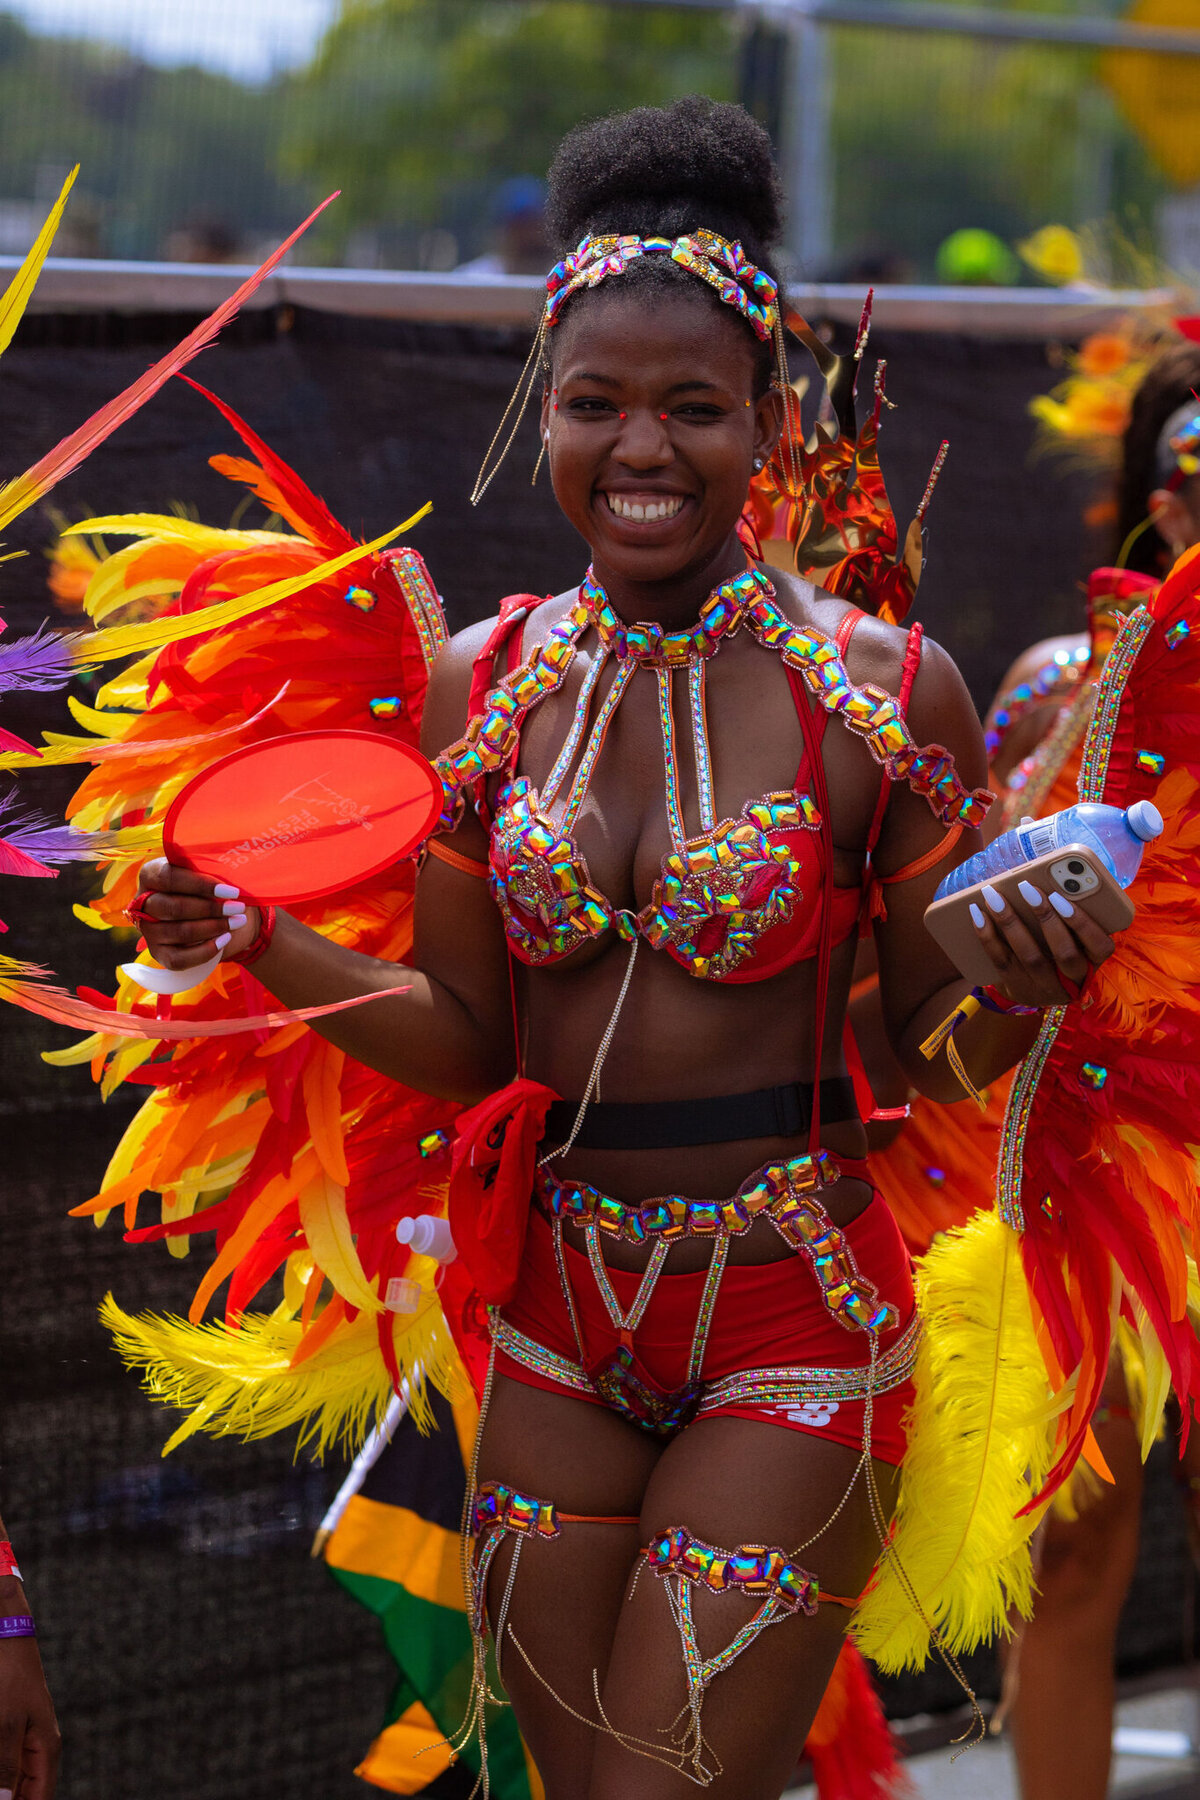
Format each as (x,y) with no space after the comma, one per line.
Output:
(723,265)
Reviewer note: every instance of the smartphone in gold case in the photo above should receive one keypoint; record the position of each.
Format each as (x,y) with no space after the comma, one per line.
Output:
(1072,871)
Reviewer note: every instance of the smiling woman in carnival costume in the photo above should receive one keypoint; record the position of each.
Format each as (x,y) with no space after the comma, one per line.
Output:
(662,845)
(671,794)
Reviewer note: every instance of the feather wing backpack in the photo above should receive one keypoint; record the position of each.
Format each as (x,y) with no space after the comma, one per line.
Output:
(1097,1214)
(261,1141)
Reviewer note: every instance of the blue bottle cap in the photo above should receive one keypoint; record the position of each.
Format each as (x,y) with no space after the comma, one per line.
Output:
(1144,820)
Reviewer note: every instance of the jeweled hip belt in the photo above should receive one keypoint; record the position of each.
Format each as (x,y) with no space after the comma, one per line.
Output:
(785,1193)
(671,1216)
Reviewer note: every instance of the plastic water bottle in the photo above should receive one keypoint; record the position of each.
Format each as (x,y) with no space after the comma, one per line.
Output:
(1115,837)
(428,1235)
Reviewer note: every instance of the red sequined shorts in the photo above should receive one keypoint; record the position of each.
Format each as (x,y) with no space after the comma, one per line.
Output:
(774,1352)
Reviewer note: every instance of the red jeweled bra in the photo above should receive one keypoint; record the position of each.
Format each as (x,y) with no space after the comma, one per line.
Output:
(720,891)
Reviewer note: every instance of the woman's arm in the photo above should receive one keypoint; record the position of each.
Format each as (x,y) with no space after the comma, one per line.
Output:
(919,986)
(451,1033)
(30,1745)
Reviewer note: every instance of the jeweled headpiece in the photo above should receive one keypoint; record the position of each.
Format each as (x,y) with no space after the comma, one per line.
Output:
(719,262)
(715,260)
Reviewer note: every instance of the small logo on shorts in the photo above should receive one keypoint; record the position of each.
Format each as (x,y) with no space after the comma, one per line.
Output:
(813,1413)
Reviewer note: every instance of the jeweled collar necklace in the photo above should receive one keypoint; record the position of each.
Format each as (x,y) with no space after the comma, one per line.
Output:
(724,611)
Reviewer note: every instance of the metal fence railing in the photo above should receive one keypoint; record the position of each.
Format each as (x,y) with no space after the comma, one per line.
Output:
(205,129)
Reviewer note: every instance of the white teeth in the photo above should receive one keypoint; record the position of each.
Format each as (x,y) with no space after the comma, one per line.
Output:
(645,511)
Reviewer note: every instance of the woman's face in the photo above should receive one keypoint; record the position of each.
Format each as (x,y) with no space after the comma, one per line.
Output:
(652,427)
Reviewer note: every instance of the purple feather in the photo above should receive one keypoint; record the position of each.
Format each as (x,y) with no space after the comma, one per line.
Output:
(32,835)
(41,662)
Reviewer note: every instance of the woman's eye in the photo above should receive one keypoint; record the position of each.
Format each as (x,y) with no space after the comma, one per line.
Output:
(587,403)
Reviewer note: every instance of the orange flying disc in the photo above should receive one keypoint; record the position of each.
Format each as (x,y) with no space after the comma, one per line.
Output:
(297,817)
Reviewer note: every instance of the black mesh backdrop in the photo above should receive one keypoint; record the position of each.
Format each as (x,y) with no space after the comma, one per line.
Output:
(194,1649)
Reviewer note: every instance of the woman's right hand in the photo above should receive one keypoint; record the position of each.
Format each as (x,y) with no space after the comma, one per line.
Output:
(186,919)
(30,1745)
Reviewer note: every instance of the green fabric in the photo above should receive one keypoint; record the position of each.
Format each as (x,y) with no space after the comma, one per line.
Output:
(431,1646)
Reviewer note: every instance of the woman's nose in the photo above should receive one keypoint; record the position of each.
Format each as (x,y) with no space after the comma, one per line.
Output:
(644,440)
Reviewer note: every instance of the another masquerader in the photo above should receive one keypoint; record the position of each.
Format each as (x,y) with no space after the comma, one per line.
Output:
(667,792)
(1128,408)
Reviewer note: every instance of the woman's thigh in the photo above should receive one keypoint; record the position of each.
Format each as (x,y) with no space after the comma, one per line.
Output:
(565,1601)
(731,1482)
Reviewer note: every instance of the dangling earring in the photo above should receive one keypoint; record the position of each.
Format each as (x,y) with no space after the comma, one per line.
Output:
(537,465)
(758,463)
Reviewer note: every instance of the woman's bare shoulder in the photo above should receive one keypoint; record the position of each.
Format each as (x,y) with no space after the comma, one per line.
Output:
(877,649)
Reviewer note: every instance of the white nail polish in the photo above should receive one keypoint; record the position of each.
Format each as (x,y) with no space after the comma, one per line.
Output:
(237,921)
(223,891)
(231,907)
(1062,906)
(976,917)
(220,943)
(1029,893)
(994,897)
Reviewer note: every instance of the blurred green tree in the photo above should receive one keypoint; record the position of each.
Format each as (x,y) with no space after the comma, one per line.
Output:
(419,109)
(162,150)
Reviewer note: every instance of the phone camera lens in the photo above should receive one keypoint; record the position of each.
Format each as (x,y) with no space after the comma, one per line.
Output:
(1072,887)
(1075,867)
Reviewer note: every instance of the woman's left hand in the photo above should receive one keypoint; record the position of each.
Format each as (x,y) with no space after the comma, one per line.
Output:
(1025,973)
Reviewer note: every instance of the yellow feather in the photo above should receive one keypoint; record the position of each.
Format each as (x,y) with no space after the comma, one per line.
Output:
(322,1206)
(101,724)
(1147,1377)
(20,288)
(82,1052)
(239,1382)
(87,915)
(130,640)
(979,1448)
(123,1062)
(175,529)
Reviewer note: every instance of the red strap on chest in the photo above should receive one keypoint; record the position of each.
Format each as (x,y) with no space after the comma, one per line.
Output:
(873,902)
(514,610)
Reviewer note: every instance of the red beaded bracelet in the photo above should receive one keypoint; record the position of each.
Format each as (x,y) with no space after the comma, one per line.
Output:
(262,941)
(8,1562)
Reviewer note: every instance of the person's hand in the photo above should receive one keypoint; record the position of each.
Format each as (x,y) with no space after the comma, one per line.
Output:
(186,919)
(1025,973)
(30,1746)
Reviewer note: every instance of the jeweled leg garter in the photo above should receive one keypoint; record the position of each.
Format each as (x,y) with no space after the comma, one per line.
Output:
(683,1563)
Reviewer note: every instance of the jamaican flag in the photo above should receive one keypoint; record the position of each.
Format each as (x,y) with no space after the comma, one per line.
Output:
(396,1549)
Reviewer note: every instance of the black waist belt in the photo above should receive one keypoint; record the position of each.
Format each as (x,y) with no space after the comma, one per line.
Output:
(726,1118)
